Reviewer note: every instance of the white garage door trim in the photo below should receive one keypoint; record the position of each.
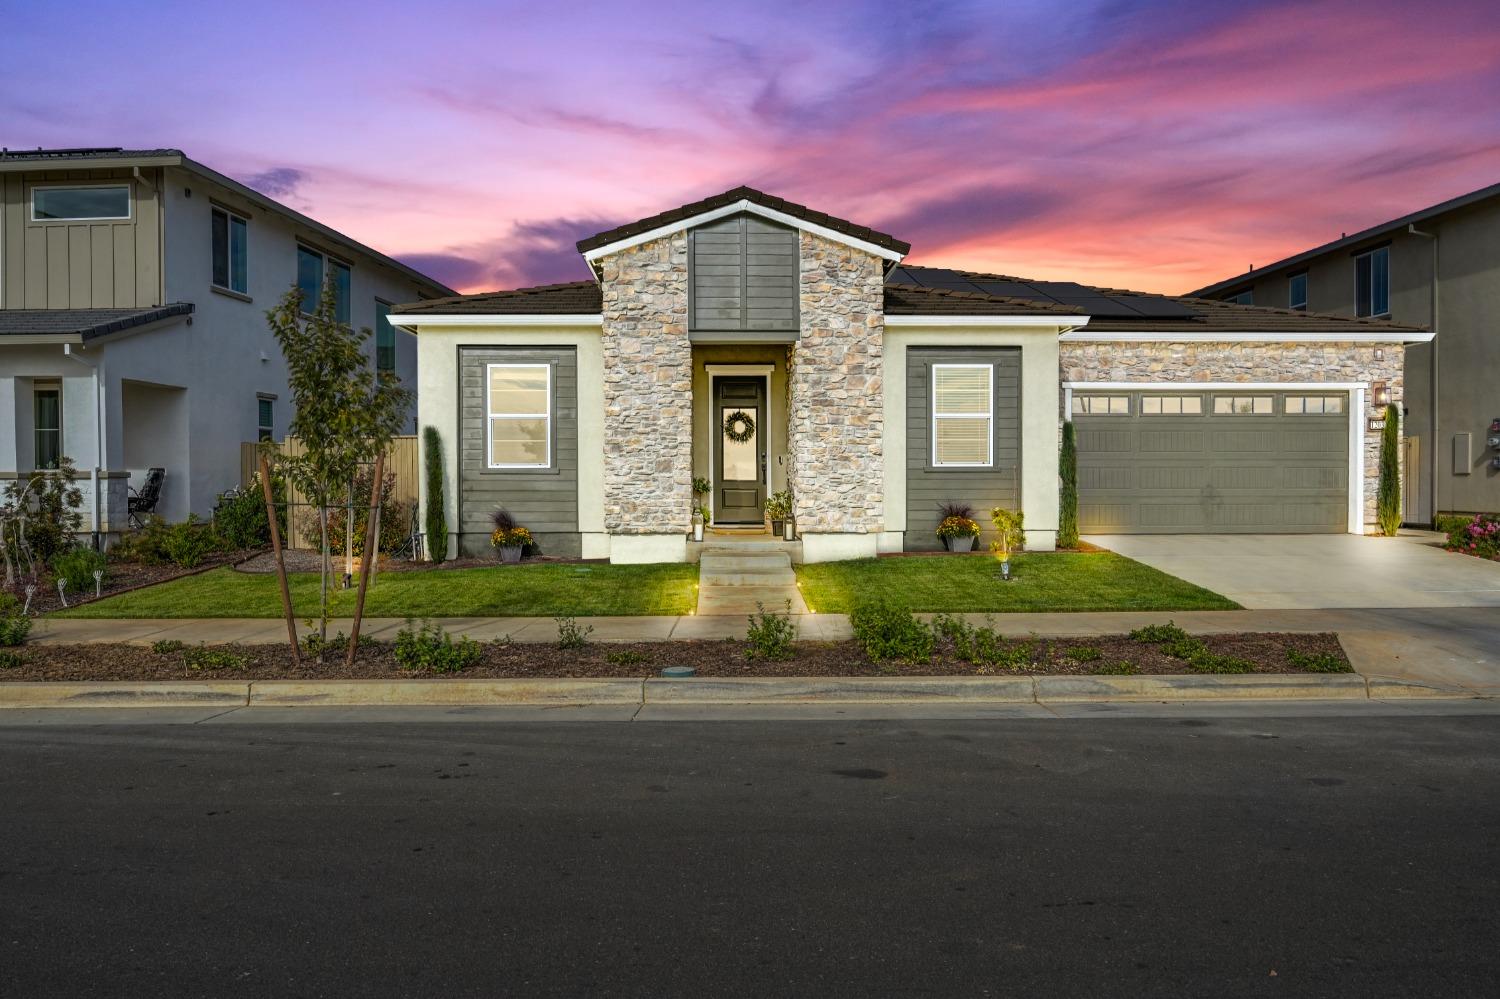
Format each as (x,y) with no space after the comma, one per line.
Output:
(1356,392)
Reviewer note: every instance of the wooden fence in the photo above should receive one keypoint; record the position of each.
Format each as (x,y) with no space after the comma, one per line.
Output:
(400,461)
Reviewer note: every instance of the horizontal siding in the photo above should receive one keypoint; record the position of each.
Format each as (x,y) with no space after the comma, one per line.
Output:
(543,501)
(982,488)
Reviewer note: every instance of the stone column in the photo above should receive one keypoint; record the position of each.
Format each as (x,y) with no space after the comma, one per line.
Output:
(835,402)
(648,404)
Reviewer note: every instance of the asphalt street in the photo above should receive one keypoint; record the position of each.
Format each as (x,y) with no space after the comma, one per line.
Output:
(1212,856)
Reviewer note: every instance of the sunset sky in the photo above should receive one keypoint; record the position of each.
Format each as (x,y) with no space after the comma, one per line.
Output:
(1154,145)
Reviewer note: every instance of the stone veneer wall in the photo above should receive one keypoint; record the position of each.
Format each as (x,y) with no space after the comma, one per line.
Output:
(1249,362)
(835,392)
(648,389)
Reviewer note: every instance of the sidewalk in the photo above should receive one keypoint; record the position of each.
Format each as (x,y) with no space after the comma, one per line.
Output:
(1452,647)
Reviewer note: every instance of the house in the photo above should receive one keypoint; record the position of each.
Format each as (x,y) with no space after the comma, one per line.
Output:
(764,345)
(1441,267)
(134,286)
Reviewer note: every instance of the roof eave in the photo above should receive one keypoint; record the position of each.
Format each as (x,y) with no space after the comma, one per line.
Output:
(412,320)
(948,319)
(1251,336)
(20,165)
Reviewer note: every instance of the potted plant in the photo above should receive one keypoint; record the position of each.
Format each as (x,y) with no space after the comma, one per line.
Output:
(779,509)
(702,515)
(509,538)
(1008,536)
(957,529)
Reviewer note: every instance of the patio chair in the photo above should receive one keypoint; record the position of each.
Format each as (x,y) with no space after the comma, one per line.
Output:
(143,503)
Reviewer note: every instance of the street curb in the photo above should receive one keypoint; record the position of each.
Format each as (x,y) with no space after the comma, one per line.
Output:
(711,690)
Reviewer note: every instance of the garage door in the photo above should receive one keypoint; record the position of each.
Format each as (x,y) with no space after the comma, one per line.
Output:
(1212,462)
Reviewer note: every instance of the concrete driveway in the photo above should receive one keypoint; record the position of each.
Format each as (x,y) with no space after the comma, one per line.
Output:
(1308,571)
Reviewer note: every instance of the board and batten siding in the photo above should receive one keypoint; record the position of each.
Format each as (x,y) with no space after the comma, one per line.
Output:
(743,276)
(928,487)
(81,265)
(545,501)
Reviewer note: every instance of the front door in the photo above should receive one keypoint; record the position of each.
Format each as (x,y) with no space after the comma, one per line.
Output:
(739,450)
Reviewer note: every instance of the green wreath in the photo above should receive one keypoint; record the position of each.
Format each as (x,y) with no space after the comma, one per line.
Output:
(740,417)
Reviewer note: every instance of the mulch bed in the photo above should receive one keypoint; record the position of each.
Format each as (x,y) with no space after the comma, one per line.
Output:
(635,659)
(303,560)
(122,577)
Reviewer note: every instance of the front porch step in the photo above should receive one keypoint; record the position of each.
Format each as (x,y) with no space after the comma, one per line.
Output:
(720,568)
(752,544)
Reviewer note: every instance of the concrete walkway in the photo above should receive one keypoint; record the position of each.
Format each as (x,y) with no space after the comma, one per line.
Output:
(1265,571)
(1454,647)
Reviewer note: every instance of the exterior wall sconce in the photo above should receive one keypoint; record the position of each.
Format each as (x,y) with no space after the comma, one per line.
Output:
(1380,394)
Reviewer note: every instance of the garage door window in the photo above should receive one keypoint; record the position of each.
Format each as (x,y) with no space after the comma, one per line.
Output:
(1101,405)
(962,415)
(1171,405)
(1244,405)
(1314,404)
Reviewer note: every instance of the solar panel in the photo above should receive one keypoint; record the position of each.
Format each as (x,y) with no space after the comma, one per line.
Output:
(1070,294)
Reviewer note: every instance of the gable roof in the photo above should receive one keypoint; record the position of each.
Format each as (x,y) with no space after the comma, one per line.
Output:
(80,325)
(1348,242)
(575,298)
(739,198)
(14,160)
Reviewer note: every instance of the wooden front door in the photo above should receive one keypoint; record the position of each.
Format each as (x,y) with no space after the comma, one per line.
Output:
(739,465)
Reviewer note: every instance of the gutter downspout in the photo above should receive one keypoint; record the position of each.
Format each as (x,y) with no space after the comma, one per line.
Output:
(98,437)
(1433,369)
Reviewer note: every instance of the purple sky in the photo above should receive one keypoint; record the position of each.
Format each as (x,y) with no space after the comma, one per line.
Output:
(1154,145)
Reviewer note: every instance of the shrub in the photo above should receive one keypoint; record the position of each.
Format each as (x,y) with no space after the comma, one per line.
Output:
(889,632)
(392,512)
(77,566)
(11,660)
(1208,662)
(1388,497)
(1318,662)
(429,648)
(1009,535)
(570,635)
(14,624)
(53,504)
(1185,648)
(1479,536)
(205,658)
(314,644)
(1122,668)
(626,657)
(1084,653)
(770,635)
(1067,498)
(435,520)
(779,505)
(971,644)
(166,646)
(240,518)
(187,544)
(1152,634)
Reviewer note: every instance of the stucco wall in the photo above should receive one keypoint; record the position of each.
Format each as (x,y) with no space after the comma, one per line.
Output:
(1273,363)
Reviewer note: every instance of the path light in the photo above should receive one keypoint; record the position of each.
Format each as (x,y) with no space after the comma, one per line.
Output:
(62,584)
(98,583)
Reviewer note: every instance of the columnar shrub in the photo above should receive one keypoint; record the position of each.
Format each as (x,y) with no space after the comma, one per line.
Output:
(1067,500)
(436,520)
(1388,500)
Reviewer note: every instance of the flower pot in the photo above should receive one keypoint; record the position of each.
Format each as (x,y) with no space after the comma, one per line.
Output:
(960,543)
(787,531)
(510,553)
(777,526)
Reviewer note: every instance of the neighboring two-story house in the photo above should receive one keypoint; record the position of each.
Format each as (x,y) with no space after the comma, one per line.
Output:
(1440,267)
(134,286)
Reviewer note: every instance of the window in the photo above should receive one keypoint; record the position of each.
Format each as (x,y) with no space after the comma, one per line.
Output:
(47,424)
(309,278)
(343,280)
(1244,405)
(1296,292)
(230,235)
(264,419)
(962,414)
(1246,297)
(1372,283)
(1171,405)
(80,204)
(385,338)
(1101,405)
(520,415)
(1314,404)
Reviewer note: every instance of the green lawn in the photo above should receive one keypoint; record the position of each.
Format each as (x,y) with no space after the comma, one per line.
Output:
(1061,581)
(541,590)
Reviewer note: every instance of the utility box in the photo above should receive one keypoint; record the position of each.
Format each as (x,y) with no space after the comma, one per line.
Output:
(1463,455)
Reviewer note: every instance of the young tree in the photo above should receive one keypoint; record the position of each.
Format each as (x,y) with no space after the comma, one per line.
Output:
(1067,523)
(1388,499)
(344,412)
